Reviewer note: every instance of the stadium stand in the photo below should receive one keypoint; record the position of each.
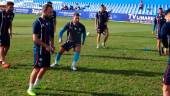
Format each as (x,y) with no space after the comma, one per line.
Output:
(117,6)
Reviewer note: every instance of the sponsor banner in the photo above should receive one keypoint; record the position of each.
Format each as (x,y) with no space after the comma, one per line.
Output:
(23,11)
(133,18)
(145,19)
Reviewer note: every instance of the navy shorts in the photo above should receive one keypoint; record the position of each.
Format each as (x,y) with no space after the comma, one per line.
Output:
(5,41)
(101,29)
(69,45)
(41,60)
(164,43)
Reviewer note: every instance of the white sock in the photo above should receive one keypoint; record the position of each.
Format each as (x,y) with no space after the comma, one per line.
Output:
(30,86)
(36,83)
(74,64)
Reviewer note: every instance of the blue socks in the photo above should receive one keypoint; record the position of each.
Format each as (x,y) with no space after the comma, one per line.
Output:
(76,58)
(57,59)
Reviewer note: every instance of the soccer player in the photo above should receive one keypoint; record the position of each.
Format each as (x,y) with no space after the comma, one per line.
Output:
(158,23)
(165,33)
(101,21)
(76,35)
(6,18)
(53,18)
(43,43)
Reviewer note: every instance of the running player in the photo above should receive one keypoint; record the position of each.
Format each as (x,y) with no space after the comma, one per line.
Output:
(75,32)
(43,40)
(6,18)
(101,21)
(158,23)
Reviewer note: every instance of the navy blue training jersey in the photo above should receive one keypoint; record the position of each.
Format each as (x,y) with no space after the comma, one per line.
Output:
(41,27)
(159,22)
(6,19)
(102,17)
(74,32)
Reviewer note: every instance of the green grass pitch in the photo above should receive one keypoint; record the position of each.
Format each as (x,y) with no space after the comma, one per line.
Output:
(122,69)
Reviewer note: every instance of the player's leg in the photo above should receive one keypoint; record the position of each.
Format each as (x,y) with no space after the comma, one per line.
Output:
(106,35)
(165,45)
(166,82)
(158,44)
(166,90)
(40,76)
(33,77)
(76,57)
(98,39)
(2,54)
(7,46)
(58,56)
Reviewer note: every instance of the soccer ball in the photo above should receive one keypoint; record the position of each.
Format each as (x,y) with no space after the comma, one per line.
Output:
(5,66)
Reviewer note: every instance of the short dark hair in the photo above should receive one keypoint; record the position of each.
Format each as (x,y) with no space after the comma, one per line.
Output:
(160,8)
(76,14)
(46,6)
(49,2)
(10,3)
(167,11)
(102,5)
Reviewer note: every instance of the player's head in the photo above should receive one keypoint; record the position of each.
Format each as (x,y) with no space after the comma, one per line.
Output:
(9,6)
(167,15)
(50,3)
(102,8)
(76,17)
(47,10)
(160,11)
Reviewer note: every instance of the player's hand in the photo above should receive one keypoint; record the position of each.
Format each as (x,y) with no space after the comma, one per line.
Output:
(60,40)
(48,48)
(10,34)
(52,49)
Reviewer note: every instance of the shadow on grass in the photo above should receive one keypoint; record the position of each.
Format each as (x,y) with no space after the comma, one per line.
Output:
(132,36)
(118,57)
(78,93)
(131,49)
(114,72)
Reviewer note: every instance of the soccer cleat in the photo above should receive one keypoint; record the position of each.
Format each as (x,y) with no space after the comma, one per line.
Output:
(97,47)
(74,68)
(31,93)
(54,65)
(103,45)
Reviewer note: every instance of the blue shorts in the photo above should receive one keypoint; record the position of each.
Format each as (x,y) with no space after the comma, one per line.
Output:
(41,60)
(166,79)
(69,45)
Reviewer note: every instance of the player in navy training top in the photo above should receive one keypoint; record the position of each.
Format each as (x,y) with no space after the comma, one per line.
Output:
(165,33)
(76,34)
(6,18)
(101,21)
(157,25)
(43,39)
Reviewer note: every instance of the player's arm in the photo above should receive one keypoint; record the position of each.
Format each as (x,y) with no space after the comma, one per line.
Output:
(55,22)
(52,42)
(39,42)
(36,32)
(84,36)
(154,25)
(62,32)
(96,20)
(10,30)
(10,27)
(164,31)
